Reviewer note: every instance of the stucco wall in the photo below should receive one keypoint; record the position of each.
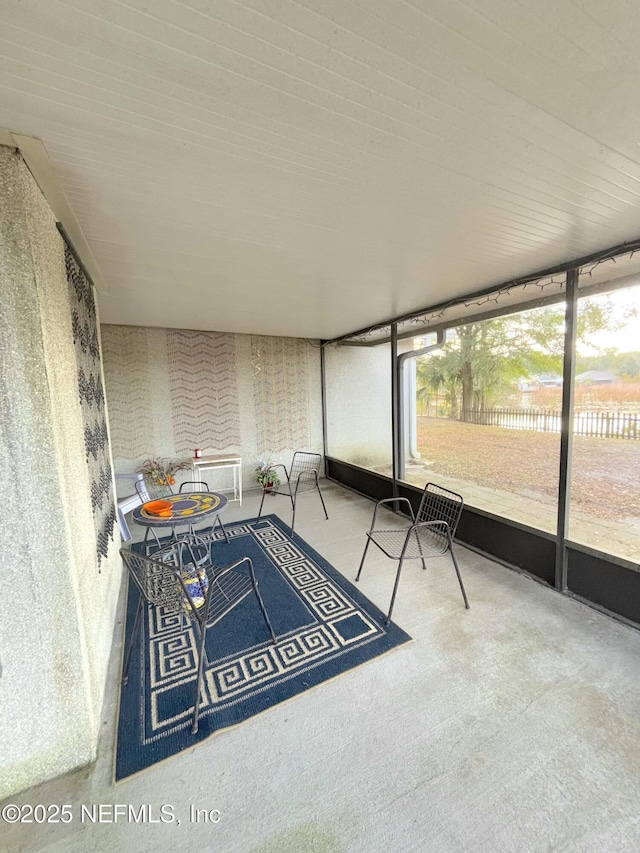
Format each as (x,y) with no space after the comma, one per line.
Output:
(171,390)
(57,608)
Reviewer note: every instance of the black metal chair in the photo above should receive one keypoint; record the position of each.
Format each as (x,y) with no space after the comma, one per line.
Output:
(303,477)
(201,486)
(175,579)
(429,535)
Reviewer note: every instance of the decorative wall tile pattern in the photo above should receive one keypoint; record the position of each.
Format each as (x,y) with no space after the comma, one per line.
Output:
(170,391)
(281,393)
(91,395)
(204,392)
(124,349)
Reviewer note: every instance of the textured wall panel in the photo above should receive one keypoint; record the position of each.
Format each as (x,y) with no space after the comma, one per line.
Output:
(55,640)
(92,403)
(281,393)
(170,391)
(126,378)
(204,391)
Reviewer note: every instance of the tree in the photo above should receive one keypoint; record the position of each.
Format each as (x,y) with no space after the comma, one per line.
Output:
(440,373)
(481,362)
(629,365)
(625,364)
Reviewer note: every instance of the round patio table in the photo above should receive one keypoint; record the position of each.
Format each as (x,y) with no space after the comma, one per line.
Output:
(185,509)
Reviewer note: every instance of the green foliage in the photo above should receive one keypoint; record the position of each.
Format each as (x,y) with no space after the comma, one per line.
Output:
(266,475)
(624,364)
(439,374)
(480,365)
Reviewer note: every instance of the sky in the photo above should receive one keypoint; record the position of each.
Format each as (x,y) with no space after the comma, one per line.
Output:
(627,338)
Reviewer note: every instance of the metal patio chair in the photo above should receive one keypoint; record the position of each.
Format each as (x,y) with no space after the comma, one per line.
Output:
(303,477)
(201,486)
(429,535)
(149,491)
(176,580)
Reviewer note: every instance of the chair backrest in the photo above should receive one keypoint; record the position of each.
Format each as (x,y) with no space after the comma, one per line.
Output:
(194,486)
(143,491)
(150,491)
(305,464)
(440,504)
(160,581)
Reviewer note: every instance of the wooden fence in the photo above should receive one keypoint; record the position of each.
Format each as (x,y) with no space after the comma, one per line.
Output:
(597,424)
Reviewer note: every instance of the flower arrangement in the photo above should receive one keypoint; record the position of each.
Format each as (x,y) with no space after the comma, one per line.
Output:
(160,471)
(266,475)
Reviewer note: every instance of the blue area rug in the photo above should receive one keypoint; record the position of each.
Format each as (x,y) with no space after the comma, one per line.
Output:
(324,625)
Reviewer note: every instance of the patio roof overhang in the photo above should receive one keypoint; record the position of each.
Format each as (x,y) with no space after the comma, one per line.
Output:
(310,170)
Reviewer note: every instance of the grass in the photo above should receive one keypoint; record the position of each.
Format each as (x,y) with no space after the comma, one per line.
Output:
(605,472)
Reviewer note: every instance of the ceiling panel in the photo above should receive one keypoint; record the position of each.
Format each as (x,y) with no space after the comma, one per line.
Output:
(312,167)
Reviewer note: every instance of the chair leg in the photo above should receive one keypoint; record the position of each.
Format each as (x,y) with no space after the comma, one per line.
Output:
(254,583)
(219,520)
(366,548)
(326,514)
(455,563)
(395,589)
(419,544)
(293,519)
(201,653)
(264,492)
(136,626)
(158,544)
(148,545)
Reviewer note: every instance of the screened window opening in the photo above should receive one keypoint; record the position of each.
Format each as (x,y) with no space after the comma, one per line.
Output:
(358,403)
(486,410)
(604,509)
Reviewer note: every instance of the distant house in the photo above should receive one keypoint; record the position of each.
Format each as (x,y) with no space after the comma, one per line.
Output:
(596,377)
(549,380)
(534,383)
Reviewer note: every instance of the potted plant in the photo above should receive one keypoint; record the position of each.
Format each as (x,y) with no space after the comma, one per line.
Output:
(159,471)
(267,476)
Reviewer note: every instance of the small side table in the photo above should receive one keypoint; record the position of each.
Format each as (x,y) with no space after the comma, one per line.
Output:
(216,463)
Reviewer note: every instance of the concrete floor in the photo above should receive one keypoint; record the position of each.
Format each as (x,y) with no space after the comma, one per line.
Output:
(514,726)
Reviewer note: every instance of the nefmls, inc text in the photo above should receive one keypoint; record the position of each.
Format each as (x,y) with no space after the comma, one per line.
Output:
(127,813)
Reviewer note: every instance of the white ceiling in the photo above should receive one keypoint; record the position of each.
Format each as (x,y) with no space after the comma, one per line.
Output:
(308,167)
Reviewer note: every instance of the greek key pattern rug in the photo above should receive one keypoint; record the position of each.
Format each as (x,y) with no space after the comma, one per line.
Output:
(324,626)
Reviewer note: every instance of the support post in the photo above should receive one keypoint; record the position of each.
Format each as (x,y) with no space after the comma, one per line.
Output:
(566,427)
(395,409)
(323,396)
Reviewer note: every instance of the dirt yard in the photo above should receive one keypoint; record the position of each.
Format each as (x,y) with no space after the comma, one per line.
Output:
(605,472)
